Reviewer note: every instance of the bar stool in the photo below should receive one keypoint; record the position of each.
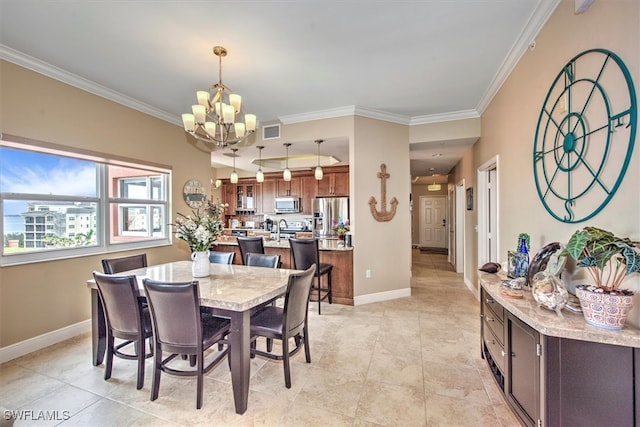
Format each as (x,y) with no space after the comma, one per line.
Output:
(305,253)
(252,245)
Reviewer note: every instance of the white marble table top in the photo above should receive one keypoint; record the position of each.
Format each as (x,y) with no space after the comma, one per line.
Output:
(547,322)
(228,287)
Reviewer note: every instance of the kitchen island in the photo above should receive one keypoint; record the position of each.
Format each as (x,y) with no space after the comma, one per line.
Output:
(341,257)
(556,370)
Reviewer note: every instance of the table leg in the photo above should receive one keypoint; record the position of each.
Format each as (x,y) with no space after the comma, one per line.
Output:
(98,328)
(239,341)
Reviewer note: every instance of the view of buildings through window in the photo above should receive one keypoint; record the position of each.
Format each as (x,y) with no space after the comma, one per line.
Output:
(53,201)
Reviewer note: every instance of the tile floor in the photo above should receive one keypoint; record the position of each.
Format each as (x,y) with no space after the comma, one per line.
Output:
(408,362)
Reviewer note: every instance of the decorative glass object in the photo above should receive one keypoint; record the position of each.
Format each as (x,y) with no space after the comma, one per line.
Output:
(518,263)
(549,292)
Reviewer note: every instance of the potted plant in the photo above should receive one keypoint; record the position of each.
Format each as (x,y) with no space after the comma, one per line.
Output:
(608,259)
(341,228)
(200,232)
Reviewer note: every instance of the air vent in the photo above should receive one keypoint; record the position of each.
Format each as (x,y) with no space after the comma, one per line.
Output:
(271,132)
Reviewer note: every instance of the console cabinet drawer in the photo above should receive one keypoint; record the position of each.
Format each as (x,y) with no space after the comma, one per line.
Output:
(496,326)
(495,348)
(495,307)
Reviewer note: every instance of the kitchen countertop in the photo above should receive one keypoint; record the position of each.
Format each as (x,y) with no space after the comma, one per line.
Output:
(548,323)
(323,244)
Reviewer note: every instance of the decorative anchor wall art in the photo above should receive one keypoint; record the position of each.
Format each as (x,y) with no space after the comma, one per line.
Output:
(383,214)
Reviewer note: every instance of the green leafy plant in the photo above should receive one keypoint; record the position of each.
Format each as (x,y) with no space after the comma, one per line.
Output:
(608,258)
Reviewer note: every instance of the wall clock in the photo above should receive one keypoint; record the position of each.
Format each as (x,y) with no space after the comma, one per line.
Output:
(194,194)
(585,136)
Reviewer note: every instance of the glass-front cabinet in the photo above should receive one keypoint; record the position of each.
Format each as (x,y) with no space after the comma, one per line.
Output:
(245,197)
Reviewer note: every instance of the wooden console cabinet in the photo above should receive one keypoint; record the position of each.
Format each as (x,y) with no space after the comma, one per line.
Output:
(558,381)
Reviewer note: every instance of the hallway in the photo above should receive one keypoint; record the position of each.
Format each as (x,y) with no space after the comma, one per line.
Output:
(407,362)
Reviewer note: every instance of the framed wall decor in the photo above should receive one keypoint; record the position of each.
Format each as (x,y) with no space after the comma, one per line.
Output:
(470,198)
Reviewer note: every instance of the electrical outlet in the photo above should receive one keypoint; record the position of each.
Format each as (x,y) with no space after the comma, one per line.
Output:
(367,273)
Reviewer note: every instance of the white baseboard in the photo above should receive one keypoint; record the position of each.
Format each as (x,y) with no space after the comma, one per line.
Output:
(382,296)
(16,350)
(472,288)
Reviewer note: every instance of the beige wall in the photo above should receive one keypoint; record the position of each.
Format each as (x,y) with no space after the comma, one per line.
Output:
(43,297)
(509,125)
(382,247)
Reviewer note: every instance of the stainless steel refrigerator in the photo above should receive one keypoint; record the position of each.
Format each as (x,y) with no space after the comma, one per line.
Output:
(327,211)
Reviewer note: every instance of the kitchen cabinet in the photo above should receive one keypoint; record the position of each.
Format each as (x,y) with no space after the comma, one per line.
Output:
(288,188)
(309,191)
(268,196)
(229,197)
(245,197)
(334,184)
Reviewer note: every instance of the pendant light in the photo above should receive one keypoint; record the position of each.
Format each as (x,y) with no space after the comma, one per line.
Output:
(286,173)
(234,175)
(259,174)
(319,173)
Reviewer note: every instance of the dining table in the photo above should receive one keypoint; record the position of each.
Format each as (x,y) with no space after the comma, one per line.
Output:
(229,290)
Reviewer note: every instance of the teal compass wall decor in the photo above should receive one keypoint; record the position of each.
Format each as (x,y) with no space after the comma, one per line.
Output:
(585,136)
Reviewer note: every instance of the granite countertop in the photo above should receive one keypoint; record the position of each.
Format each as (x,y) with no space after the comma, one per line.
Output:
(548,323)
(323,244)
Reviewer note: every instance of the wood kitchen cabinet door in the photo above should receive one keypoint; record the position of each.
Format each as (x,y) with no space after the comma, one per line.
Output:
(229,197)
(334,184)
(268,195)
(309,186)
(288,188)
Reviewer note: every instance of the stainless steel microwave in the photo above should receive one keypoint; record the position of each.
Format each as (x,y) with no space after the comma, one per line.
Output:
(287,205)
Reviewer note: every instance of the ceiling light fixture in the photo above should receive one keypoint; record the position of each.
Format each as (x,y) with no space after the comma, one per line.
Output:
(286,173)
(234,175)
(319,173)
(259,174)
(434,186)
(213,119)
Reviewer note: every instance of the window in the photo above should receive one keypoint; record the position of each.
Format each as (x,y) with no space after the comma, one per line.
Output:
(59,204)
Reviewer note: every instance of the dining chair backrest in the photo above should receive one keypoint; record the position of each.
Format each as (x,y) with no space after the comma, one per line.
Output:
(117,265)
(247,245)
(262,260)
(221,257)
(175,314)
(305,253)
(296,303)
(119,298)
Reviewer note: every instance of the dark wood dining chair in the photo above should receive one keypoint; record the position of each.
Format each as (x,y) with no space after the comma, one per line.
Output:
(283,323)
(125,319)
(221,257)
(182,327)
(305,253)
(247,245)
(126,263)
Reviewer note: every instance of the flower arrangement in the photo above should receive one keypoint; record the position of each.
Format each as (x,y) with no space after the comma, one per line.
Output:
(341,227)
(201,230)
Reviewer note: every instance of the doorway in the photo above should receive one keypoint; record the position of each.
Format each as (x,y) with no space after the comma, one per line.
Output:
(488,216)
(460,230)
(433,221)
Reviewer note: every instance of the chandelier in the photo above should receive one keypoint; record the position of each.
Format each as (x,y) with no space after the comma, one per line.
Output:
(214,119)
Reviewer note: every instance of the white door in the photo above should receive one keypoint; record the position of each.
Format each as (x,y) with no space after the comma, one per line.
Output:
(433,221)
(452,225)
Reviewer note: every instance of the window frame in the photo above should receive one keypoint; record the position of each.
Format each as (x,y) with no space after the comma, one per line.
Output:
(104,202)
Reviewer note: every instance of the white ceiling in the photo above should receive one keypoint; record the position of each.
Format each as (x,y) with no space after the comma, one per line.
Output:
(409,62)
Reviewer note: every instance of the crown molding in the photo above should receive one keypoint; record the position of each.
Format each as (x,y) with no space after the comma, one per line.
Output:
(44,68)
(444,117)
(538,18)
